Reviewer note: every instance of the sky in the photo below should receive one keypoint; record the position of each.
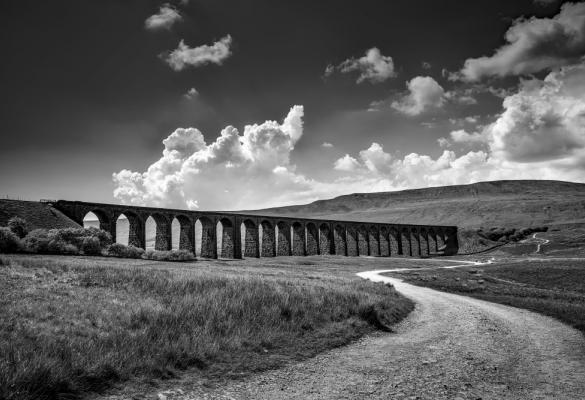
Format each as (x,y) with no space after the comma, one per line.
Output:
(227,105)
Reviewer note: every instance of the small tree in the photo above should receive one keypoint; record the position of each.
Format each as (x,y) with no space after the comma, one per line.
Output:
(18,226)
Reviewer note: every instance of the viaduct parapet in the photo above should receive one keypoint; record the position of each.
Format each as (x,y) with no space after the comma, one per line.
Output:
(244,235)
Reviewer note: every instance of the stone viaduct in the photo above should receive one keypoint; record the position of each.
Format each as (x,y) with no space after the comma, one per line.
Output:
(268,236)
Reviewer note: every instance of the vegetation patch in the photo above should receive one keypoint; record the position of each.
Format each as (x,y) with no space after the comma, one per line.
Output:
(74,325)
(501,234)
(551,287)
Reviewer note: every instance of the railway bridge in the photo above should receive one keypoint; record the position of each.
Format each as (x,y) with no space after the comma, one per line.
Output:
(249,235)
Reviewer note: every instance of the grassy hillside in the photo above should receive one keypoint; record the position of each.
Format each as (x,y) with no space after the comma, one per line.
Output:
(38,215)
(498,203)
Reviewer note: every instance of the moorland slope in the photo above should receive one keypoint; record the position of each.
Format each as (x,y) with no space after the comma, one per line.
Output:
(517,203)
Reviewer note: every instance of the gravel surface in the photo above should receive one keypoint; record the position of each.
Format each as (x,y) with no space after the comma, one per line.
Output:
(450,347)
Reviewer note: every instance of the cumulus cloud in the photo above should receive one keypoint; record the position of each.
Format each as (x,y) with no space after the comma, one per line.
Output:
(346,163)
(167,16)
(545,120)
(539,135)
(194,173)
(184,56)
(424,93)
(373,67)
(534,44)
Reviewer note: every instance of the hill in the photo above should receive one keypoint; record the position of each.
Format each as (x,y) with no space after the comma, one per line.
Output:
(37,214)
(517,203)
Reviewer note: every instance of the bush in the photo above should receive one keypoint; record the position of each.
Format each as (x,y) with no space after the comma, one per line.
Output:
(9,242)
(91,246)
(172,255)
(119,250)
(37,241)
(67,241)
(76,236)
(58,246)
(18,226)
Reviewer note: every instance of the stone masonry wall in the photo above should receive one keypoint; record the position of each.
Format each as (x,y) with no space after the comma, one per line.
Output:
(268,240)
(351,236)
(339,240)
(312,240)
(227,241)
(284,245)
(384,246)
(251,245)
(298,241)
(362,242)
(324,240)
(374,241)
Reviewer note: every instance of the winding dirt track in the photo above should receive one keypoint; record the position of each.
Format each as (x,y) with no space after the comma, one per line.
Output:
(450,347)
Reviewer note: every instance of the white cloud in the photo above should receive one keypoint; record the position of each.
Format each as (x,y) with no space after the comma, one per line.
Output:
(462,136)
(254,167)
(534,44)
(184,55)
(346,163)
(424,93)
(375,159)
(373,67)
(443,142)
(167,16)
(327,145)
(539,135)
(545,120)
(191,94)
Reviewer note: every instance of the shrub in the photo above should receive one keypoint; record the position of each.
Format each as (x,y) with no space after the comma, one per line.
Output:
(18,226)
(59,246)
(91,246)
(119,250)
(172,255)
(76,236)
(67,241)
(9,242)
(37,241)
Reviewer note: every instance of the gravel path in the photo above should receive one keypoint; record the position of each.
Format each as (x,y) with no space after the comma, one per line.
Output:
(450,347)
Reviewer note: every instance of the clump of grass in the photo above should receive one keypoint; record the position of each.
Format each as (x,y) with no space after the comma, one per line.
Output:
(122,251)
(171,255)
(79,326)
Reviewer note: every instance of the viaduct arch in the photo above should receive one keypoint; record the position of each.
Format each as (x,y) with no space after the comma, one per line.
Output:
(268,236)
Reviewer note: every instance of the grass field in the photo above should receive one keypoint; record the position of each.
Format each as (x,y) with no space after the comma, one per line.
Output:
(70,325)
(554,287)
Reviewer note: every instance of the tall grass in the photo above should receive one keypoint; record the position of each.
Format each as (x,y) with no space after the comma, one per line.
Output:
(71,327)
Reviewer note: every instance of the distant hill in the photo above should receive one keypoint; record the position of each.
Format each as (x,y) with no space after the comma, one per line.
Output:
(519,203)
(36,214)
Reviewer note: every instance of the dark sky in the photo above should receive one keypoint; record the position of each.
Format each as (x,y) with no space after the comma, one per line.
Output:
(85,93)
